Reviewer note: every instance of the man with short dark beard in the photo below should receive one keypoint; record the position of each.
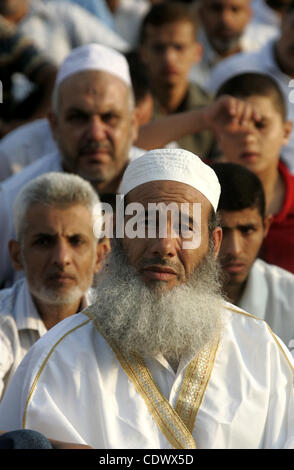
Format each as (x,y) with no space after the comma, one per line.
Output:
(160,360)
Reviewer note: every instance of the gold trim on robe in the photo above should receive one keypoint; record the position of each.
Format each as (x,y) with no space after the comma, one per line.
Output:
(176,423)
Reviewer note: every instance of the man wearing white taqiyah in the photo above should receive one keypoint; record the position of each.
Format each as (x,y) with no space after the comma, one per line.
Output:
(57,250)
(93,84)
(179,369)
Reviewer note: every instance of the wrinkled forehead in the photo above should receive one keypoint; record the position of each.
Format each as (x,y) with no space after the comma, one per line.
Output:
(92,82)
(167,191)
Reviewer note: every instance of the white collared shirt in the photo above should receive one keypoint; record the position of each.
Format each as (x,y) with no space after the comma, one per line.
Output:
(20,327)
(269,295)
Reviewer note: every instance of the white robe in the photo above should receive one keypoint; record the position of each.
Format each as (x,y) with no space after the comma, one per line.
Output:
(269,295)
(72,387)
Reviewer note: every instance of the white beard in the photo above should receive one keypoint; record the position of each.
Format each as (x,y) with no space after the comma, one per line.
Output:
(147,321)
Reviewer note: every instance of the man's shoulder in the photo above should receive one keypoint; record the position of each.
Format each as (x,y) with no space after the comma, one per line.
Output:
(49,162)
(273,273)
(76,330)
(9,295)
(247,332)
(198,95)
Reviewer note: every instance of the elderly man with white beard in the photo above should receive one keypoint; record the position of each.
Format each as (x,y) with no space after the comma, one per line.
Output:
(160,360)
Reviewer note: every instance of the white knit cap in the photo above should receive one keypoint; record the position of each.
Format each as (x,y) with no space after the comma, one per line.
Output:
(172,165)
(94,57)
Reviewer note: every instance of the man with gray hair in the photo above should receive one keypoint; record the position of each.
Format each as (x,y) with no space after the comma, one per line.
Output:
(159,350)
(56,248)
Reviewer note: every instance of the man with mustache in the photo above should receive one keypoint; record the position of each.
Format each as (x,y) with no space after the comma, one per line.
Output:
(160,360)
(57,251)
(265,290)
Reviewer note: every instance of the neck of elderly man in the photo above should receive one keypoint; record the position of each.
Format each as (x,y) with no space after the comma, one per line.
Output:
(94,125)
(164,276)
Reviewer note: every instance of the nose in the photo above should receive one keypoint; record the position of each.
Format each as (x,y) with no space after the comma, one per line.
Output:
(232,244)
(164,247)
(169,55)
(96,129)
(61,255)
(226,18)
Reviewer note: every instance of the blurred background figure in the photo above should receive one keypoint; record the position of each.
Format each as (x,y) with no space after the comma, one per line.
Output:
(19,55)
(226,28)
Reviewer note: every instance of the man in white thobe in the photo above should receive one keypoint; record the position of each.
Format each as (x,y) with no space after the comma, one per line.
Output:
(160,360)
(57,251)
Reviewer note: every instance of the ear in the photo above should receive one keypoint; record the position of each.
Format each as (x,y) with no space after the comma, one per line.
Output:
(287,132)
(266,224)
(15,254)
(102,250)
(217,236)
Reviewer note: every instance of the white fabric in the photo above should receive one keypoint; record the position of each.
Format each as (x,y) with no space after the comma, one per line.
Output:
(269,295)
(20,327)
(264,14)
(254,37)
(262,61)
(83,394)
(174,165)
(57,28)
(24,145)
(94,57)
(128,18)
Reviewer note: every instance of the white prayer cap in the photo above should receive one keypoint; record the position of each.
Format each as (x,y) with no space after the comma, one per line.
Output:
(172,165)
(94,57)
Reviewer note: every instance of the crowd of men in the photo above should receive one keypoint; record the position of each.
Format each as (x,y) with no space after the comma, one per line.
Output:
(147,224)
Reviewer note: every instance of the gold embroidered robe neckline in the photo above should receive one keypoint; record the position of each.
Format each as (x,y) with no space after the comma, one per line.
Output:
(176,423)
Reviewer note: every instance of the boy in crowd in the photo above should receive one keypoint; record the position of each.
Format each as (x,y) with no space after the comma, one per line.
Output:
(258,148)
(263,289)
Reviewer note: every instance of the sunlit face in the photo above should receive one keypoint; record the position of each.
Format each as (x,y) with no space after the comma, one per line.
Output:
(162,261)
(257,146)
(243,234)
(224,22)
(169,52)
(95,126)
(58,252)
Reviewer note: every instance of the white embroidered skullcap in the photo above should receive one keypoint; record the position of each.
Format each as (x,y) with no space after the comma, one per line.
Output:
(173,165)
(94,57)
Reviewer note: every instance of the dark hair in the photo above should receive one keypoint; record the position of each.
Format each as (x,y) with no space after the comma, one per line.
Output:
(249,84)
(139,76)
(240,188)
(166,13)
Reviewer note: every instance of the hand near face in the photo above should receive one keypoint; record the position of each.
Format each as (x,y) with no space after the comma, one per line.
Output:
(228,114)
